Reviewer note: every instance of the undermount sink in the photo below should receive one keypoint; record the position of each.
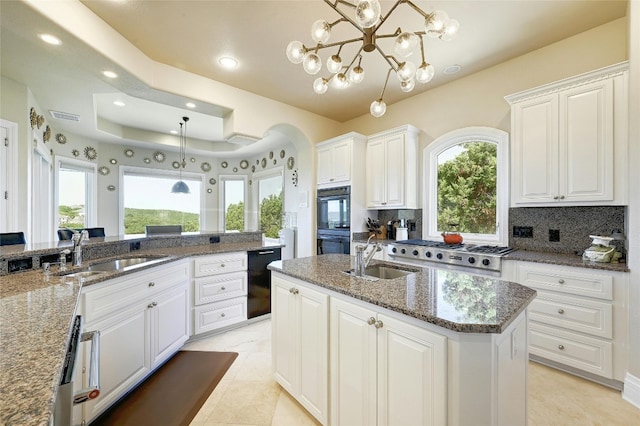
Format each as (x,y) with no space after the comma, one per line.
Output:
(380,272)
(123,264)
(84,274)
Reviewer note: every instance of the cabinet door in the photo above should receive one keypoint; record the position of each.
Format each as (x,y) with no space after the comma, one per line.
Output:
(342,161)
(512,361)
(283,329)
(412,366)
(586,141)
(170,327)
(535,150)
(124,358)
(395,171)
(375,173)
(353,365)
(325,166)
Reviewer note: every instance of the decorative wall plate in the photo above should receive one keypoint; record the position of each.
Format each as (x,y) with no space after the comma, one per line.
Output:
(244,164)
(282,154)
(175,165)
(159,156)
(147,160)
(290,163)
(206,167)
(91,153)
(75,152)
(212,181)
(113,161)
(275,161)
(224,164)
(104,170)
(128,152)
(270,155)
(46,135)
(257,162)
(253,169)
(264,163)
(40,121)
(111,188)
(33,117)
(61,139)
(209,190)
(193,159)
(235,169)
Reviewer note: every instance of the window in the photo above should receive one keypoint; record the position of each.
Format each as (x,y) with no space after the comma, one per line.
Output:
(147,200)
(233,198)
(270,199)
(466,186)
(76,187)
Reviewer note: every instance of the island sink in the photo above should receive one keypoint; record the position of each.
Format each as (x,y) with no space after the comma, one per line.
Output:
(380,272)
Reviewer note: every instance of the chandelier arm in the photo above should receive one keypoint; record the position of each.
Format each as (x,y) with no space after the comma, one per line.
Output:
(334,6)
(385,83)
(356,56)
(395,34)
(417,9)
(422,48)
(382,19)
(337,43)
(386,58)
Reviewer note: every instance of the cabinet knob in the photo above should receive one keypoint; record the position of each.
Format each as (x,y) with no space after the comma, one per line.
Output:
(561,347)
(562,197)
(222,315)
(378,324)
(222,265)
(155,303)
(296,291)
(291,290)
(151,284)
(331,180)
(560,281)
(371,321)
(223,288)
(556,197)
(561,311)
(152,304)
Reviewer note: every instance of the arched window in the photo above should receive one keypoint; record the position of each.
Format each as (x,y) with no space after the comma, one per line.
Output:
(467,185)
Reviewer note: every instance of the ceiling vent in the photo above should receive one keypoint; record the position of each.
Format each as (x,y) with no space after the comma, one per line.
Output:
(65,116)
(240,139)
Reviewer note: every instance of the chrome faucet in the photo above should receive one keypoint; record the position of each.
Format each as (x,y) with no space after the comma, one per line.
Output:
(78,238)
(361,261)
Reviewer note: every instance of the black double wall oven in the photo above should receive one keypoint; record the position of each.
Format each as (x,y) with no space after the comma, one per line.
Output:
(334,226)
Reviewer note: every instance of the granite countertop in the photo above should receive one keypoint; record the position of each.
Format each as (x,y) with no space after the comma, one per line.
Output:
(450,299)
(36,313)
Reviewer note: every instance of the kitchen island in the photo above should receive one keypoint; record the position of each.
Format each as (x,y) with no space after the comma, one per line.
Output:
(435,346)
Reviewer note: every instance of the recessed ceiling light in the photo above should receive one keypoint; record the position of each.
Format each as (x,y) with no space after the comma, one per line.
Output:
(228,62)
(452,69)
(173,132)
(109,74)
(190,105)
(119,103)
(48,38)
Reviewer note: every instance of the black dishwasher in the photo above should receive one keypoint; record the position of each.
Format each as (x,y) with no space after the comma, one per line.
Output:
(259,293)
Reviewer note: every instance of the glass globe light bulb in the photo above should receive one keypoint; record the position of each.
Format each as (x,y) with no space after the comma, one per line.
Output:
(295,52)
(407,86)
(334,64)
(434,24)
(450,30)
(320,31)
(356,75)
(320,85)
(378,108)
(367,13)
(311,63)
(406,44)
(340,81)
(406,71)
(425,73)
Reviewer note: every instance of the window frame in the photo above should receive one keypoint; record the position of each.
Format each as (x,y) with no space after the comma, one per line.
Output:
(91,188)
(265,174)
(222,179)
(149,172)
(430,159)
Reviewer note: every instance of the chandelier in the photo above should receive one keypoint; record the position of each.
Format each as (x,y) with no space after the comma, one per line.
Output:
(180,187)
(368,19)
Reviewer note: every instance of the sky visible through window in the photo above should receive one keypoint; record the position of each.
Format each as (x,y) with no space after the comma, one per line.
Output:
(71,187)
(154,193)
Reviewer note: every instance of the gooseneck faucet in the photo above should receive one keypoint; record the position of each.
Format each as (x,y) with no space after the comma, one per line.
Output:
(361,261)
(78,238)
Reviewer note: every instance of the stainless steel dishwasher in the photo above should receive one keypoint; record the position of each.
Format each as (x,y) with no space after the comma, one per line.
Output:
(259,291)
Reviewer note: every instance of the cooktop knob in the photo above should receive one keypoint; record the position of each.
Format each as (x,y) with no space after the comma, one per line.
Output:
(428,254)
(394,250)
(486,262)
(472,260)
(415,252)
(403,251)
(439,255)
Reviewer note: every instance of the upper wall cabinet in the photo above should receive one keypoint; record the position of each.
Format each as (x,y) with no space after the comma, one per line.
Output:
(392,169)
(570,141)
(336,158)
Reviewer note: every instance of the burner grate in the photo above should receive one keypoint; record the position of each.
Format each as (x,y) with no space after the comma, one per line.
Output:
(491,250)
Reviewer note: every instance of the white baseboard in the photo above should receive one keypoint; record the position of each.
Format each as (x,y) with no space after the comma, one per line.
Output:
(631,392)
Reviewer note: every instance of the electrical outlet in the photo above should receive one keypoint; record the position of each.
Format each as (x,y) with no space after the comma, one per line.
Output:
(215,239)
(134,246)
(523,231)
(554,235)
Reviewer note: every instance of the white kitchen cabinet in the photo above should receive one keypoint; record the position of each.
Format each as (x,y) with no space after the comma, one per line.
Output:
(569,141)
(219,291)
(142,319)
(391,169)
(299,323)
(384,371)
(578,319)
(334,162)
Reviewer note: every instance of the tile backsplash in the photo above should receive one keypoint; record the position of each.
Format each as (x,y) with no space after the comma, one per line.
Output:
(563,229)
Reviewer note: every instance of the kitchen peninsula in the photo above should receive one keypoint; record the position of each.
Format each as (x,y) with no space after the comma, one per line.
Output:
(435,346)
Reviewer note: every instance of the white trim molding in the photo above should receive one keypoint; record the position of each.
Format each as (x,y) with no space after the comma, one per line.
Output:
(631,391)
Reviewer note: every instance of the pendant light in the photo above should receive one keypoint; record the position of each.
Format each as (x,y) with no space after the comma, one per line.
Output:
(180,187)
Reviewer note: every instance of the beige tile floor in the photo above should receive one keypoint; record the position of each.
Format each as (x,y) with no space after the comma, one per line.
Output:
(248,395)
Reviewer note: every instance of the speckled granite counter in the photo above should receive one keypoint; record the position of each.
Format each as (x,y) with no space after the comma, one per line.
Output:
(35,320)
(563,259)
(453,300)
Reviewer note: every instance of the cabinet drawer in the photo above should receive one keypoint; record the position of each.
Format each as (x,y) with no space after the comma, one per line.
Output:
(219,263)
(219,287)
(586,316)
(564,280)
(219,314)
(582,352)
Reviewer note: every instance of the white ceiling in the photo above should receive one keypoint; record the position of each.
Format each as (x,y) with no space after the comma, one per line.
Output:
(192,35)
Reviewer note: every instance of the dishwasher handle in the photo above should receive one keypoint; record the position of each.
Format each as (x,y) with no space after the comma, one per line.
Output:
(265,252)
(93,390)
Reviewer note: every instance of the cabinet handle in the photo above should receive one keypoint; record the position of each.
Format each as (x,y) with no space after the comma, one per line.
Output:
(371,321)
(561,311)
(150,305)
(222,315)
(291,290)
(296,291)
(560,281)
(561,347)
(151,284)
(378,324)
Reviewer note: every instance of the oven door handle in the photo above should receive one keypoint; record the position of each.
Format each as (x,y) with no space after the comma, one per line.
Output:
(93,390)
